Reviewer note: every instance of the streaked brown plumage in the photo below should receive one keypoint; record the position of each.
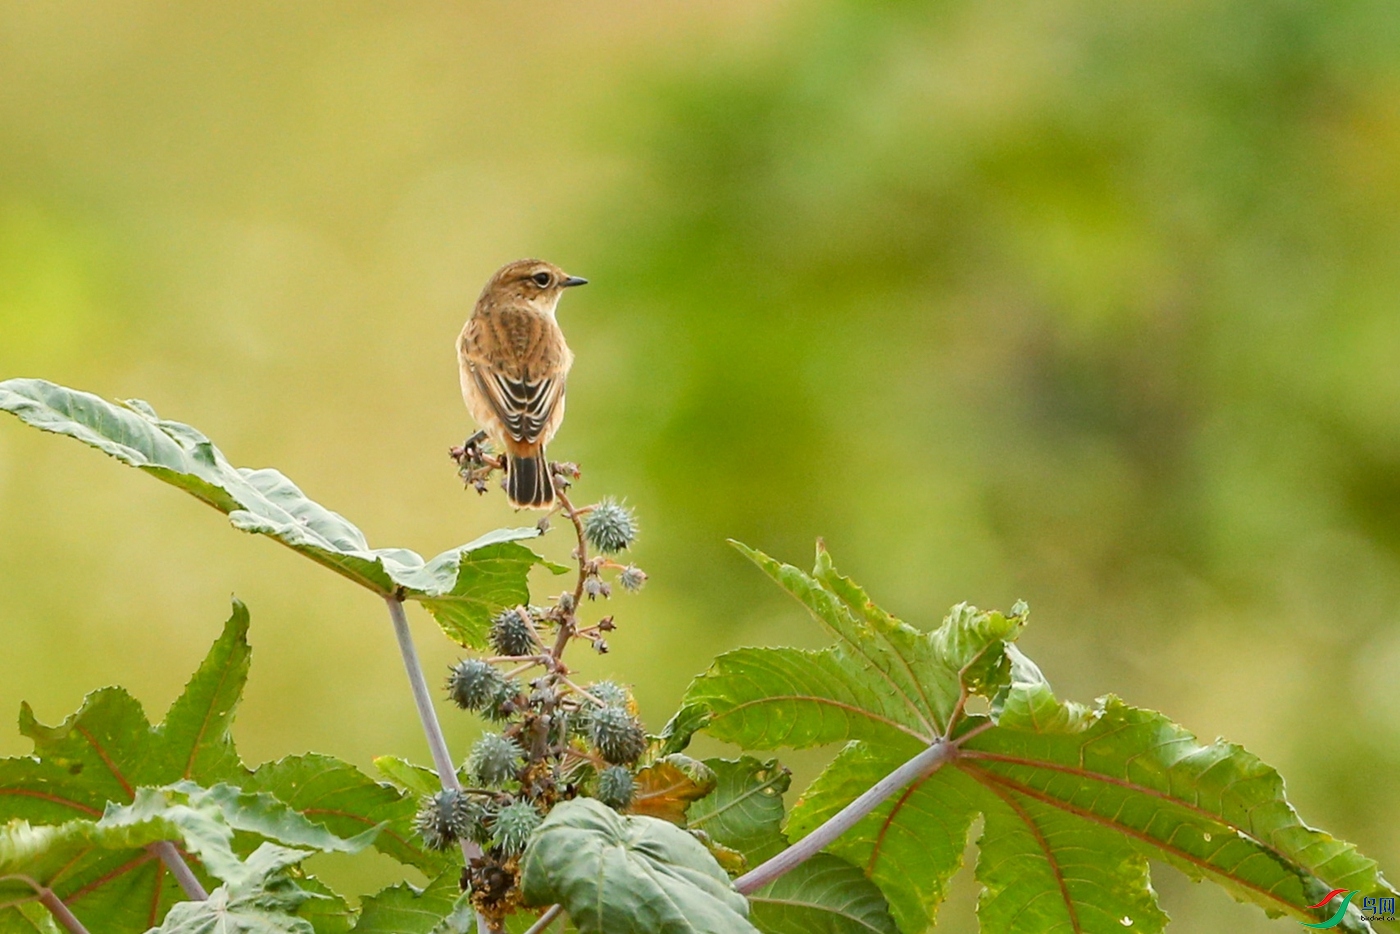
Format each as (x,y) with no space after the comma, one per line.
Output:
(514,364)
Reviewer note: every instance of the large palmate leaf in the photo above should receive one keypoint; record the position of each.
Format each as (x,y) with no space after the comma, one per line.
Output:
(462,588)
(106,752)
(1074,800)
(33,858)
(882,681)
(824,895)
(108,748)
(628,875)
(202,822)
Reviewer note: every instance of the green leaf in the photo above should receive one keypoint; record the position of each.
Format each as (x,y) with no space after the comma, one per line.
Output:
(108,748)
(105,752)
(27,918)
(883,681)
(825,894)
(403,909)
(72,858)
(195,735)
(745,812)
(414,778)
(1132,776)
(462,588)
(686,722)
(911,846)
(628,875)
(206,819)
(56,857)
(348,802)
(1074,800)
(327,911)
(257,813)
(262,899)
(102,756)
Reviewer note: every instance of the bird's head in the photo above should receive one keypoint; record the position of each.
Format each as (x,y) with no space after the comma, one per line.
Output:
(531,281)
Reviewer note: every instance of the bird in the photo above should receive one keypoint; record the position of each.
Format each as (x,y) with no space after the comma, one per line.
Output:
(514,363)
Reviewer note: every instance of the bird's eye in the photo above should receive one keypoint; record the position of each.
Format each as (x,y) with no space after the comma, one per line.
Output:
(541,279)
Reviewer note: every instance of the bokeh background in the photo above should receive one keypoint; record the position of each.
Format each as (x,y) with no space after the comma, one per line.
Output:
(1089,303)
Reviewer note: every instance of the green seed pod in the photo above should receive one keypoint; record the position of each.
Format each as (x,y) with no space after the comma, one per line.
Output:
(611,694)
(510,635)
(495,759)
(615,787)
(512,828)
(610,527)
(496,709)
(473,683)
(446,817)
(617,735)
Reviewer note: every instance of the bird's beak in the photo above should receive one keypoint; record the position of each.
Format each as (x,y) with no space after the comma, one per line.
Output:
(571,281)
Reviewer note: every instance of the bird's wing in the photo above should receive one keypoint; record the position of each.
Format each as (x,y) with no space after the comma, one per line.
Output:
(524,406)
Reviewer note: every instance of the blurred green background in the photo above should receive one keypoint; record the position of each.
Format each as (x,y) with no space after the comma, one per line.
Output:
(1089,303)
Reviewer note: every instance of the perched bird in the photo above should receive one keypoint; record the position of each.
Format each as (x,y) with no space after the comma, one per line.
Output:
(514,362)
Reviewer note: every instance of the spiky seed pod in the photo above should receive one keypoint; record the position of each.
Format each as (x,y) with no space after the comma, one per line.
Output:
(495,759)
(510,635)
(608,694)
(472,817)
(566,601)
(613,694)
(596,587)
(446,817)
(502,703)
(617,735)
(433,822)
(512,828)
(473,683)
(566,725)
(615,787)
(610,527)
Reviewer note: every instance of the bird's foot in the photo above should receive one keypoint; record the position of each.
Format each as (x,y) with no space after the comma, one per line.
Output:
(474,464)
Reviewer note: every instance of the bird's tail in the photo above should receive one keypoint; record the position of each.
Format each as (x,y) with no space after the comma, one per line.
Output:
(528,483)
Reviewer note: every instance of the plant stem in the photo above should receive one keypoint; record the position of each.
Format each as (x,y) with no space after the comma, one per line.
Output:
(925,763)
(568,624)
(60,911)
(432,730)
(546,920)
(180,870)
